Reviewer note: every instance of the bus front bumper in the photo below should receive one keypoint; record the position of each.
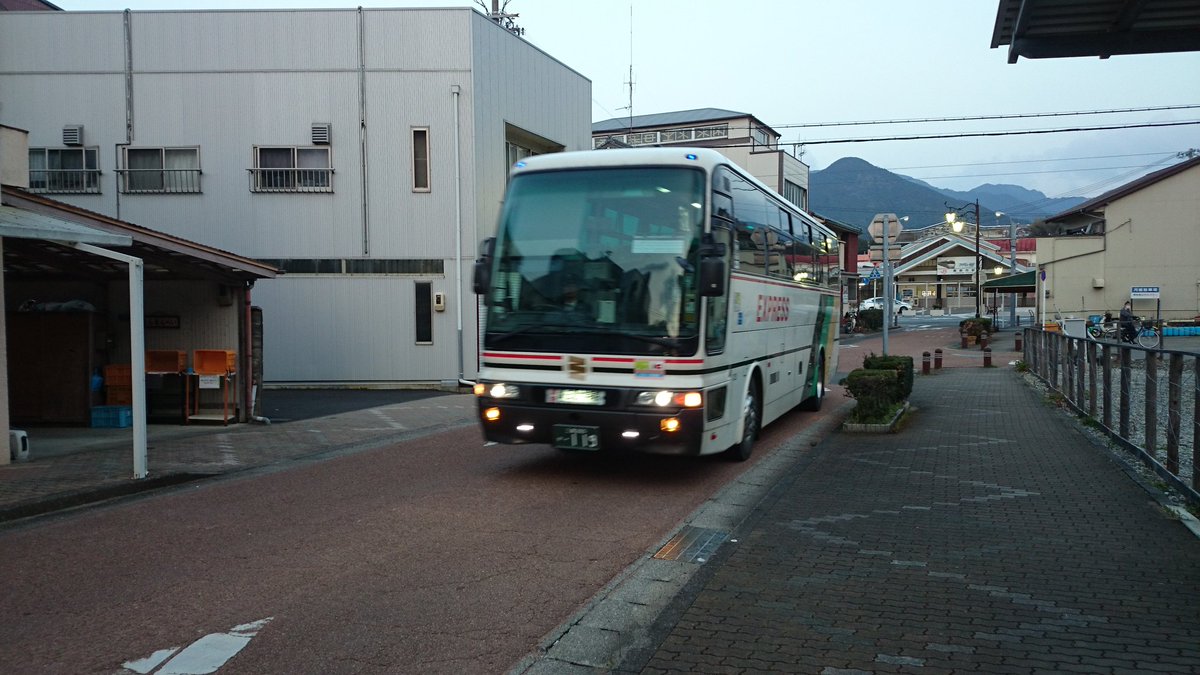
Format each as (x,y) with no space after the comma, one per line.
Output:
(593,430)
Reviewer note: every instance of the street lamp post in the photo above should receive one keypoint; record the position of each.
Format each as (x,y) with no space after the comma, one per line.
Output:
(1012,264)
(952,218)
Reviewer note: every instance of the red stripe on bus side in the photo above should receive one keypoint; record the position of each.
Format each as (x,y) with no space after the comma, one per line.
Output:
(544,357)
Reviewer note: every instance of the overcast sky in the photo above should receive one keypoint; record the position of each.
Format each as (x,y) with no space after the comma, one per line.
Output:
(792,62)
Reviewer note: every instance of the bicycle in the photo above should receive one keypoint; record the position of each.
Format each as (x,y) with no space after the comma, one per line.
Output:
(1148,335)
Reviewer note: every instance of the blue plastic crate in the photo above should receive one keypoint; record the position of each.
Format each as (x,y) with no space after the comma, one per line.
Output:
(112,416)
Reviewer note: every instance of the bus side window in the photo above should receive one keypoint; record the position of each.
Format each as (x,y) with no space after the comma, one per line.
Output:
(750,248)
(804,252)
(781,257)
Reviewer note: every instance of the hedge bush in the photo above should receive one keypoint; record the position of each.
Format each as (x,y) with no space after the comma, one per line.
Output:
(870,319)
(875,393)
(903,365)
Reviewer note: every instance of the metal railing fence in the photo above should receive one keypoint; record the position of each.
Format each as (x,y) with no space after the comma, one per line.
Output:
(1147,400)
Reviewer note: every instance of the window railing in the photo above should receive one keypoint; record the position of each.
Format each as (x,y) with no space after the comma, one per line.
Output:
(160,181)
(291,180)
(65,181)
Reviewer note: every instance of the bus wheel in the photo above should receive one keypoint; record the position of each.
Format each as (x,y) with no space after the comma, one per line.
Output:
(751,412)
(813,403)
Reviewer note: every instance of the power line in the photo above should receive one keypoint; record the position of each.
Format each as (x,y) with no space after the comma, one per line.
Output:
(1031,161)
(976,134)
(975,118)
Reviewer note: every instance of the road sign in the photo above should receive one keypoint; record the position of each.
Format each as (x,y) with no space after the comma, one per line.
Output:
(878,224)
(874,274)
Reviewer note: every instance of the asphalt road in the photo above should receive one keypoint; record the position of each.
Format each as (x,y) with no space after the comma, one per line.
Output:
(439,555)
(289,405)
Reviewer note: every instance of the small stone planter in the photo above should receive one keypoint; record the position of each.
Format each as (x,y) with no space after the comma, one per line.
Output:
(888,427)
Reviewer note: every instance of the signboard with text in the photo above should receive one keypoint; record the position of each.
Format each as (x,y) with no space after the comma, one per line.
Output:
(1143,293)
(956,265)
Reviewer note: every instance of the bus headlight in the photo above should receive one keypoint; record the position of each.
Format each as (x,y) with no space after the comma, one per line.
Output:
(497,390)
(664,398)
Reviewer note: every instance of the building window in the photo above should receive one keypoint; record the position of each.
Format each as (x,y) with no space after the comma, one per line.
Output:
(515,153)
(761,137)
(423,321)
(420,139)
(291,169)
(795,194)
(64,170)
(161,170)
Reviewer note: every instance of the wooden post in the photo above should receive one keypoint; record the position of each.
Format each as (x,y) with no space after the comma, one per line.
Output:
(1151,404)
(1174,403)
(1126,362)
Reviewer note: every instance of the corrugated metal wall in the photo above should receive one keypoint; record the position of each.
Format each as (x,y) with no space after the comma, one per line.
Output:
(226,81)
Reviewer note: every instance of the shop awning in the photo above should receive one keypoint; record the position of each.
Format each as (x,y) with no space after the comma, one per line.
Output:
(1025,282)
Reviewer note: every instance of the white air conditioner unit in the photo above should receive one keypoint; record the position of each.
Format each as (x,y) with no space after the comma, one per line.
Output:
(321,133)
(1097,282)
(73,134)
(18,445)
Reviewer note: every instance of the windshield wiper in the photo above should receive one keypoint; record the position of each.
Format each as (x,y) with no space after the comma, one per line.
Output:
(532,328)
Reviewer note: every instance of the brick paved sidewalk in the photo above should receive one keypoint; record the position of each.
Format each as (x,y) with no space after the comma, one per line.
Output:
(990,535)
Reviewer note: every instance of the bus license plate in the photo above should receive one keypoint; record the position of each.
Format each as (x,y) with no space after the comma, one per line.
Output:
(575,396)
(572,437)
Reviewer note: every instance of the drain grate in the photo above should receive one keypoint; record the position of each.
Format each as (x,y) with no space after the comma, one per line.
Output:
(692,544)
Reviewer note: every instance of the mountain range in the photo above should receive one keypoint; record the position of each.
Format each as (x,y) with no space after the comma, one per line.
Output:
(852,191)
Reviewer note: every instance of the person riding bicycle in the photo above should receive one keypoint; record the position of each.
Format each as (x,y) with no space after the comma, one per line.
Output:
(1127,321)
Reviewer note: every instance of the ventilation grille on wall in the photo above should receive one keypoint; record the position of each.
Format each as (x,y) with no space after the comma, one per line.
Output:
(321,132)
(73,134)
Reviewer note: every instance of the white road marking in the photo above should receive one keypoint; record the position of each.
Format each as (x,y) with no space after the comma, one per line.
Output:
(205,655)
(151,662)
(387,420)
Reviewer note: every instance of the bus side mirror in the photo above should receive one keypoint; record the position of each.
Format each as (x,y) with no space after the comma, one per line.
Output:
(712,268)
(483,266)
(712,277)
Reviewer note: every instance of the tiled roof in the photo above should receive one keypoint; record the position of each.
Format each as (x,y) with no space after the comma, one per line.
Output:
(666,119)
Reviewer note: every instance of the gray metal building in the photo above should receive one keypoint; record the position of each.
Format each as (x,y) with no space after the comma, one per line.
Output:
(364,152)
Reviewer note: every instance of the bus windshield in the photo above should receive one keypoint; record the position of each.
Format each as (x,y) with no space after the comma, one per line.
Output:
(598,260)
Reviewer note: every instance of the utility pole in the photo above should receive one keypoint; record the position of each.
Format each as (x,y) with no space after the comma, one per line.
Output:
(502,18)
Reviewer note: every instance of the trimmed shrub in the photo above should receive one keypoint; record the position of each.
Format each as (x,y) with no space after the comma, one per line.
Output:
(874,391)
(870,319)
(903,365)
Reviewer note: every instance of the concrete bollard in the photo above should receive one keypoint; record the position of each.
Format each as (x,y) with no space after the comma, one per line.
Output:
(987,357)
(937,358)
(924,363)
(983,340)
(963,335)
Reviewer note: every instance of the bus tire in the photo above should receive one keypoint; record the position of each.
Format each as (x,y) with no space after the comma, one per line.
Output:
(813,403)
(751,418)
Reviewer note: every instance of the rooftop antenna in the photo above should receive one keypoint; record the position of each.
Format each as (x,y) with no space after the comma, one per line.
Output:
(629,82)
(500,15)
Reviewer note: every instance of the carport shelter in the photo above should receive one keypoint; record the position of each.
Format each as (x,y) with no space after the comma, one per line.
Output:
(72,281)
(1025,282)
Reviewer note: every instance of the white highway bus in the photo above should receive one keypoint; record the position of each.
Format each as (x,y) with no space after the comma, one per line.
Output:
(660,300)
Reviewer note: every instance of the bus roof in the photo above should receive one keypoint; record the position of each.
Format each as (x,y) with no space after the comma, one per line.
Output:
(705,158)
